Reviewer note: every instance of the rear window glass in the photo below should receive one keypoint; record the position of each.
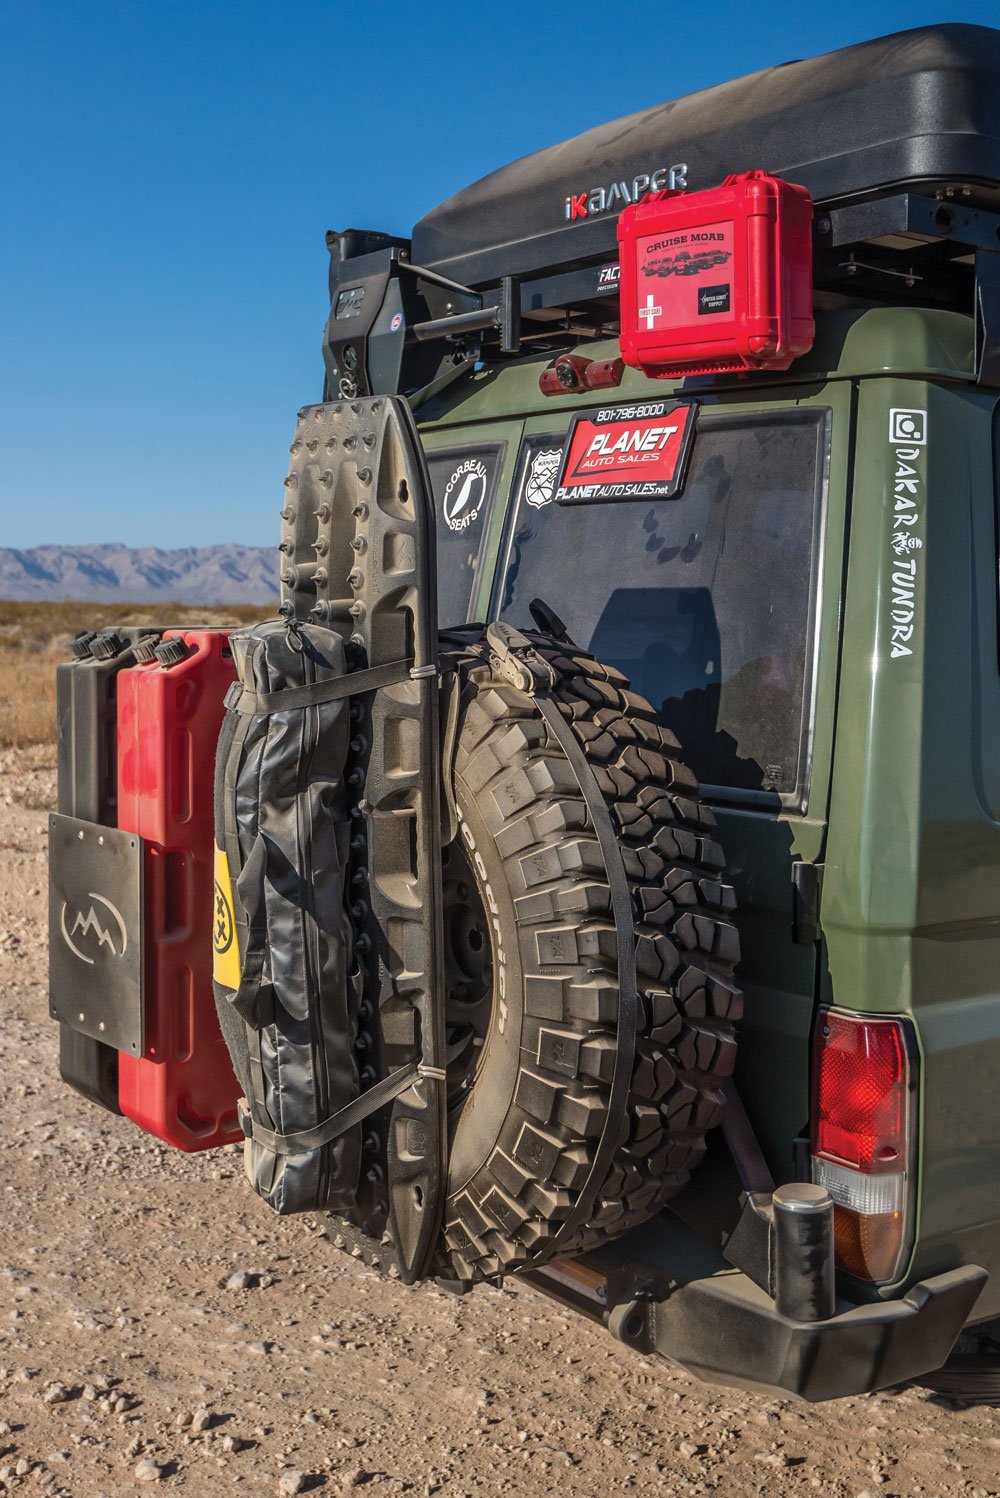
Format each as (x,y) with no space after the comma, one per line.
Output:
(996,488)
(463,481)
(704,601)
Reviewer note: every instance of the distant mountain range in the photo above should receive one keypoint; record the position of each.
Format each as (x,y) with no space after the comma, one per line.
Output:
(145,574)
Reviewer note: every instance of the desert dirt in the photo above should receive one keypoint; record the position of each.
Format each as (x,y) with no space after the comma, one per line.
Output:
(161,1330)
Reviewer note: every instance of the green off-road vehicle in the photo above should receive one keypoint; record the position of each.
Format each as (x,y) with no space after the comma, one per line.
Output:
(606,845)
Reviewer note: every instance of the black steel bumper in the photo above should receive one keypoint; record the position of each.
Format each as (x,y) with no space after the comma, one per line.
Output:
(665,1288)
(725,1329)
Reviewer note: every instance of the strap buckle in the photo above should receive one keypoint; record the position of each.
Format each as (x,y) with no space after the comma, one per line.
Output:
(516,658)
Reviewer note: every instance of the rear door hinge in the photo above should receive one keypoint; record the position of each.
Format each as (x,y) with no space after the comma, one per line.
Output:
(807,890)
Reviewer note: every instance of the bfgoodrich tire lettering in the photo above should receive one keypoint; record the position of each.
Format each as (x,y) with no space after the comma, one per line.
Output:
(524,1137)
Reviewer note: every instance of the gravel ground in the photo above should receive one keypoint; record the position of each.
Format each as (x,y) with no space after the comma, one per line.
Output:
(159,1329)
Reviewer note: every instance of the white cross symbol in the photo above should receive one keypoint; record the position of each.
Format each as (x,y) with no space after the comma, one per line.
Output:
(649,312)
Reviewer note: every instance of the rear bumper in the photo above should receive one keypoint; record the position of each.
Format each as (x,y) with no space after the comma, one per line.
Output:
(666,1288)
(725,1329)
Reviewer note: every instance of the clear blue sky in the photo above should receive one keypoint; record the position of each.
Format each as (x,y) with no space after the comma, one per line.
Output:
(168,170)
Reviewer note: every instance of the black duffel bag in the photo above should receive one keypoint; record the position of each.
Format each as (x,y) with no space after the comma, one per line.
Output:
(284,989)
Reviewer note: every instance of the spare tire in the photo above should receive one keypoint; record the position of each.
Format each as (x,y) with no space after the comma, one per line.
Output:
(532,957)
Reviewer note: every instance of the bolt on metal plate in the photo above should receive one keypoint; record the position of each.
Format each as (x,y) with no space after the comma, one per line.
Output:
(95,931)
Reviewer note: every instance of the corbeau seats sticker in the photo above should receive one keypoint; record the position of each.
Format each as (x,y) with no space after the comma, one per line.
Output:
(626,452)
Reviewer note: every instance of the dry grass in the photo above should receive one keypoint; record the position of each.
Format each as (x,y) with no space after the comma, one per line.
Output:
(35,637)
(27,697)
(41,626)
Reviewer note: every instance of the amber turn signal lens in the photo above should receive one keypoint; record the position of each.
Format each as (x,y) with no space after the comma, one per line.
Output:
(867,1246)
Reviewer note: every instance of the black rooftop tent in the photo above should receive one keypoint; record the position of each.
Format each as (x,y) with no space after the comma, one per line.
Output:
(897,141)
(920,109)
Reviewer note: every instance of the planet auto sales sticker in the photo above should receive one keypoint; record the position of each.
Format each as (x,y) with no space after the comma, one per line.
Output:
(626,452)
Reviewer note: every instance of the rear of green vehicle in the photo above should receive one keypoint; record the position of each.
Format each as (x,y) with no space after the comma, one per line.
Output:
(816,618)
(807,601)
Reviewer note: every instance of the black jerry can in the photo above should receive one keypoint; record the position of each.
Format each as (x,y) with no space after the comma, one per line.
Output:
(87,787)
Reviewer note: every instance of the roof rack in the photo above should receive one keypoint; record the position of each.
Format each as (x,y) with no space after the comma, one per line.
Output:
(526,259)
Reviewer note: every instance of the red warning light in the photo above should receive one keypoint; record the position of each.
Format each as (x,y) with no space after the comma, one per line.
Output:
(717,280)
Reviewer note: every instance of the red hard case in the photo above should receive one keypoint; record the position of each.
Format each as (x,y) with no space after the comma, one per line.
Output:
(182,1088)
(717,280)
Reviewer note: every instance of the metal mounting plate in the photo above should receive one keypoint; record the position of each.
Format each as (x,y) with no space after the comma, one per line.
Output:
(95,931)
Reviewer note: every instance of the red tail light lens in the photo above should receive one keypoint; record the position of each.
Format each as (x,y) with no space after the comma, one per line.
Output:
(861,1137)
(860,1068)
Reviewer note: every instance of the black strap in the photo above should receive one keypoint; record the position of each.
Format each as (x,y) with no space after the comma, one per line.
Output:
(518,654)
(255,941)
(338,1123)
(450,698)
(628,993)
(313,693)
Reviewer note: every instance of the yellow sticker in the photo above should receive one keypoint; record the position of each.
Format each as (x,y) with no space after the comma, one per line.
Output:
(225,947)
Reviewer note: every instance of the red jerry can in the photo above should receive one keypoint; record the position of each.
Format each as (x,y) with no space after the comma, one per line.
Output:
(717,280)
(170,710)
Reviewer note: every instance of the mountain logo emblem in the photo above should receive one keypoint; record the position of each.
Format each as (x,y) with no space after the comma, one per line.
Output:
(94,931)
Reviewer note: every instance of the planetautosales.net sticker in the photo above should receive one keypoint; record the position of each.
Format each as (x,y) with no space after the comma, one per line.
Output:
(626,452)
(908,441)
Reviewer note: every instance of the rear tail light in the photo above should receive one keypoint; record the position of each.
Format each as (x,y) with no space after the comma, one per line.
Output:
(863,1130)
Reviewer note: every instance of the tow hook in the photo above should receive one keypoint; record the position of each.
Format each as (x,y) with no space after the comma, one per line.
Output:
(632,1320)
